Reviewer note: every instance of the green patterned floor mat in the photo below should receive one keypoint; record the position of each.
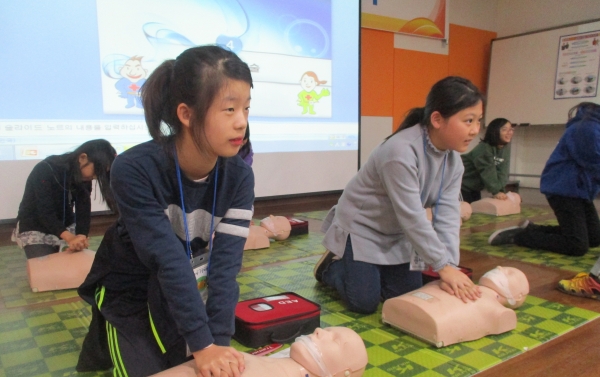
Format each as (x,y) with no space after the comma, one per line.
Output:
(316,215)
(478,242)
(44,342)
(478,219)
(47,341)
(279,251)
(15,290)
(14,286)
(393,353)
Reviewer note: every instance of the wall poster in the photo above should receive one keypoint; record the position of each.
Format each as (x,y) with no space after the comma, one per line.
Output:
(578,66)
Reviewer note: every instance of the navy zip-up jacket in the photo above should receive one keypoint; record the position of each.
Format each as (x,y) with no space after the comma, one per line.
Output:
(573,169)
(143,263)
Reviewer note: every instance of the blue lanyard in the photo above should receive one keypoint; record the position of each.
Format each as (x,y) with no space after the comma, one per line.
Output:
(64,197)
(437,201)
(185,224)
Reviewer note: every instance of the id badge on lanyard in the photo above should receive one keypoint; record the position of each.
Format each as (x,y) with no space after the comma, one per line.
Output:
(200,268)
(416,262)
(200,264)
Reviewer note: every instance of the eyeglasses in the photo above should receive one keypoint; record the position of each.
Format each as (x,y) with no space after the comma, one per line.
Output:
(507,129)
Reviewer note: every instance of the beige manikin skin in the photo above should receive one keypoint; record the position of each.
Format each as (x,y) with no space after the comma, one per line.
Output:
(497,207)
(278,227)
(465,212)
(257,238)
(64,270)
(343,353)
(431,314)
(272,227)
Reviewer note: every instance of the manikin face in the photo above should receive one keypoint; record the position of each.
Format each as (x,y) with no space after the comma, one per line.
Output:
(133,70)
(514,284)
(456,132)
(308,83)
(276,224)
(506,133)
(341,349)
(227,118)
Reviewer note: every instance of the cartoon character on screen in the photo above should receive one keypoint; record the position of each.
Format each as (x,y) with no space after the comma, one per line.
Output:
(133,76)
(309,96)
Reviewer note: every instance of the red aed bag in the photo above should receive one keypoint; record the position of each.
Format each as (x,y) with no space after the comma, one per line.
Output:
(298,226)
(275,319)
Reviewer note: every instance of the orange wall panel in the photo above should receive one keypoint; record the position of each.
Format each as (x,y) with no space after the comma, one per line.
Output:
(469,54)
(414,74)
(377,68)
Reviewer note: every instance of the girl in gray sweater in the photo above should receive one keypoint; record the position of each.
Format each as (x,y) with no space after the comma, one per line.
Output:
(378,236)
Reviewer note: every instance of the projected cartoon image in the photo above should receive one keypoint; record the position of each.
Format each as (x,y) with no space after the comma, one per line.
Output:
(308,97)
(133,76)
(283,38)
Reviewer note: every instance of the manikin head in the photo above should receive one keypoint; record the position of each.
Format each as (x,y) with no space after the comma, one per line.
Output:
(465,211)
(510,283)
(333,351)
(278,227)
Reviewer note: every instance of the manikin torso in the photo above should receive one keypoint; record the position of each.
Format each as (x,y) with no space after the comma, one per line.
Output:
(336,351)
(437,317)
(497,207)
(433,315)
(256,366)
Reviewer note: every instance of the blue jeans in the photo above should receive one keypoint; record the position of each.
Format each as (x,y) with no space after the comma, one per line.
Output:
(363,285)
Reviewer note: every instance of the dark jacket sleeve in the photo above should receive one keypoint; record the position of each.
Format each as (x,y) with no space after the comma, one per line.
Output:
(49,199)
(503,168)
(226,261)
(158,247)
(485,165)
(83,208)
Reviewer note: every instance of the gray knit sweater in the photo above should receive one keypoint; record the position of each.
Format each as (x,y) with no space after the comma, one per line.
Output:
(383,207)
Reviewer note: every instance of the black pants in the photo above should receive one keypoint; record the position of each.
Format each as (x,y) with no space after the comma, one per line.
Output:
(127,343)
(470,196)
(578,228)
(39,250)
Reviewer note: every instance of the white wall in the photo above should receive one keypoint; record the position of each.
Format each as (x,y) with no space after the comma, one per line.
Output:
(521,16)
(477,14)
(531,146)
(378,128)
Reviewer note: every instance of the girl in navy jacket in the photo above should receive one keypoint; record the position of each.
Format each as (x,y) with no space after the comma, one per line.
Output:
(165,288)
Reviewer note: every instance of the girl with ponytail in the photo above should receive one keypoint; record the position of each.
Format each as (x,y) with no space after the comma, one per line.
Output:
(162,288)
(378,236)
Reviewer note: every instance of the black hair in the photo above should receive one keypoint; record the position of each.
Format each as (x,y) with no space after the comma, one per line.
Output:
(492,133)
(102,154)
(245,149)
(584,106)
(194,78)
(447,96)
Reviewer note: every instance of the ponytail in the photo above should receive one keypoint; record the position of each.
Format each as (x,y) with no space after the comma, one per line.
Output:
(195,79)
(447,96)
(156,96)
(413,117)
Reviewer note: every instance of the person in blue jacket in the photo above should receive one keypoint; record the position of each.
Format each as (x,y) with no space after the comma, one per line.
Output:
(570,180)
(162,288)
